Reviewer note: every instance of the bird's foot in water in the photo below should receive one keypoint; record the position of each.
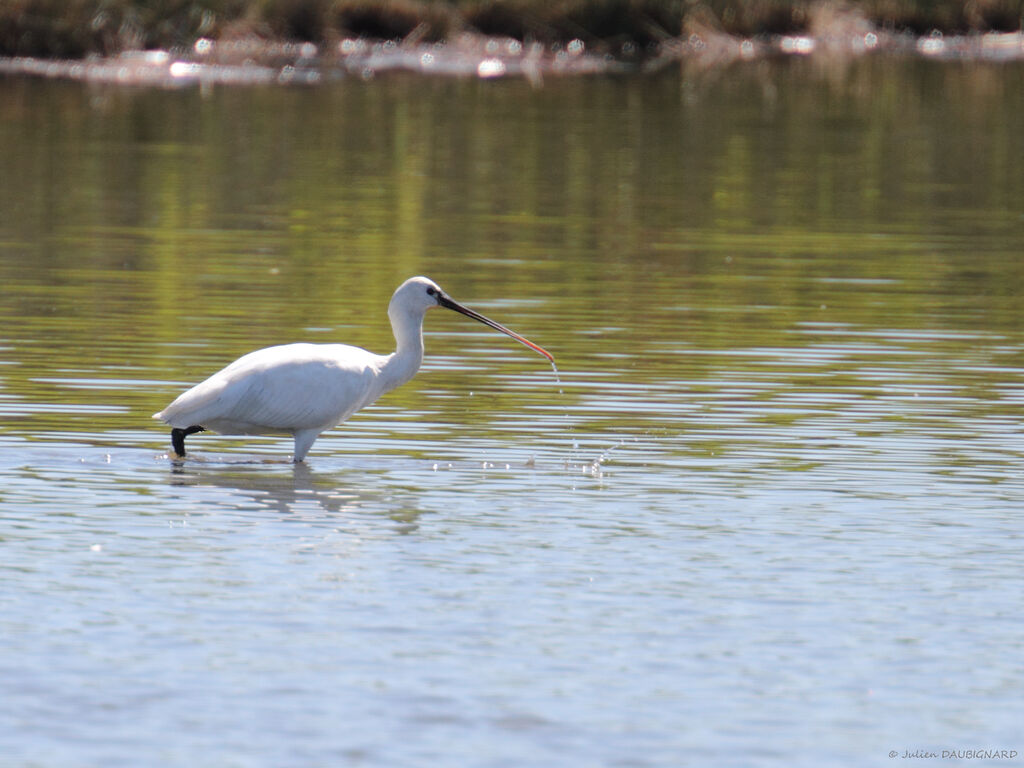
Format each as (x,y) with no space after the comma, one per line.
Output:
(178,438)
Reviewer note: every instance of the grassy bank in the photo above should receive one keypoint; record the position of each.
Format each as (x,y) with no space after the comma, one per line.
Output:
(76,28)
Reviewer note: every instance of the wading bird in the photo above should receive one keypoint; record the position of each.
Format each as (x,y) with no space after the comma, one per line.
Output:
(304,389)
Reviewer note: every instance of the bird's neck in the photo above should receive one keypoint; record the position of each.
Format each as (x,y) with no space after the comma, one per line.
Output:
(402,364)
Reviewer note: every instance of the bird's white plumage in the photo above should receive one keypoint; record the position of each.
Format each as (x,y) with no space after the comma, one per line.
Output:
(287,388)
(304,389)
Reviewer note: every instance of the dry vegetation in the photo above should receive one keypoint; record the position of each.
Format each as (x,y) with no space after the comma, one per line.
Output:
(77,28)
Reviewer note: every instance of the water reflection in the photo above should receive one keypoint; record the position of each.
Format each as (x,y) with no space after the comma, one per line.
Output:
(293,489)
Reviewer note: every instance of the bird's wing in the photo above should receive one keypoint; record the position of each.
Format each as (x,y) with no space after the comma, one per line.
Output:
(286,388)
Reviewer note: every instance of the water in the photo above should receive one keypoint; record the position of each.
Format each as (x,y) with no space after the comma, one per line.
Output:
(769,513)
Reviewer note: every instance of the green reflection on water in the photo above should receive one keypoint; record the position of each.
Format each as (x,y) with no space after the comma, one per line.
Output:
(686,244)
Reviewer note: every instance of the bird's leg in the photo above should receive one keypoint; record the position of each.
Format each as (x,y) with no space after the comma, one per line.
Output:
(303,442)
(178,437)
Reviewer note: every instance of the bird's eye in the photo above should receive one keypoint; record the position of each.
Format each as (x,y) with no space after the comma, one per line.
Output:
(431,291)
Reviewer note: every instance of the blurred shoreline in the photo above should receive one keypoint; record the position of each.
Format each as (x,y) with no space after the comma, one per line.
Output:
(307,41)
(66,29)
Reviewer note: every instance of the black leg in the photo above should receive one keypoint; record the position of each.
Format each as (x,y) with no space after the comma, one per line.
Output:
(178,437)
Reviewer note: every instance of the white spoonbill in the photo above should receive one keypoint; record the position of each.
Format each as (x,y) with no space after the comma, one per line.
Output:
(304,389)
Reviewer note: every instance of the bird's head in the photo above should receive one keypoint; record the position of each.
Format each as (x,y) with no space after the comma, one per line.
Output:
(415,296)
(418,294)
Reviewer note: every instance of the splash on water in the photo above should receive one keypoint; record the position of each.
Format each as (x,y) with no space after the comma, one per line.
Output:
(596,467)
(568,421)
(590,467)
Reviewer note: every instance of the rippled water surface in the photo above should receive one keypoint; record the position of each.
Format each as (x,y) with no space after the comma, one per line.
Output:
(767,513)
